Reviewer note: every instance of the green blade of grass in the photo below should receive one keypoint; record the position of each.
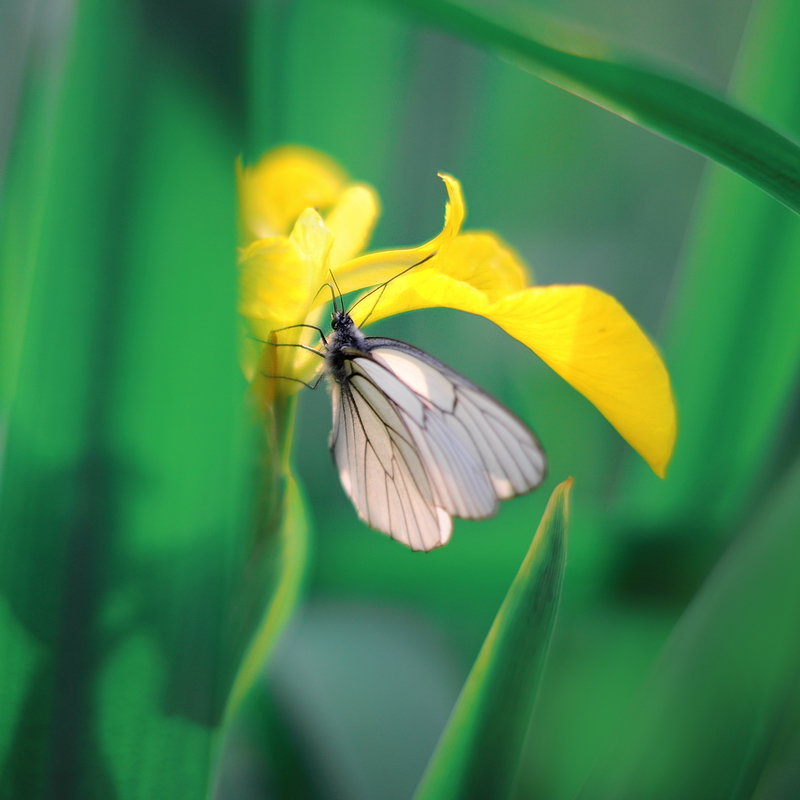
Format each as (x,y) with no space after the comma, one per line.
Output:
(478,753)
(668,105)
(710,717)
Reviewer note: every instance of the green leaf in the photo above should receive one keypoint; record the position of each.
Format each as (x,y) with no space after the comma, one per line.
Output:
(711,716)
(478,753)
(671,106)
(733,341)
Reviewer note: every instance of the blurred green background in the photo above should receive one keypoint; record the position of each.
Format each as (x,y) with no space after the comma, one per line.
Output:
(128,459)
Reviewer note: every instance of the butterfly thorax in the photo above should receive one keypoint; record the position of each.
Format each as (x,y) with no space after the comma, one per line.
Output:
(344,338)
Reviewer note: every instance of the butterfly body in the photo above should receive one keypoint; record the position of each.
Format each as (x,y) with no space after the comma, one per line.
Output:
(416,443)
(345,337)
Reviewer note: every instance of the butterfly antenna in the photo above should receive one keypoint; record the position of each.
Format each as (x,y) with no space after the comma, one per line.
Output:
(330,289)
(341,302)
(374,306)
(382,287)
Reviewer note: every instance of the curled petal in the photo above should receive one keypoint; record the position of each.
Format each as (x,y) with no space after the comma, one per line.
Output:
(274,192)
(454,212)
(377,267)
(582,333)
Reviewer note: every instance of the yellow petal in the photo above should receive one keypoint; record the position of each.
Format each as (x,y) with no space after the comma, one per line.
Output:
(479,266)
(314,240)
(274,192)
(351,222)
(383,265)
(270,292)
(483,260)
(589,339)
(584,334)
(279,276)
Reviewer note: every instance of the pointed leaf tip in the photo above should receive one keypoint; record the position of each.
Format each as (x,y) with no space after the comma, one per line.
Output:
(478,754)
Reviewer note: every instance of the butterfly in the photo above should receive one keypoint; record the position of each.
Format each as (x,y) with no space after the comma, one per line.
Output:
(415,442)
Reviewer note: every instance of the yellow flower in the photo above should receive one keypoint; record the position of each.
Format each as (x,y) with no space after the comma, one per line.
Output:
(303,222)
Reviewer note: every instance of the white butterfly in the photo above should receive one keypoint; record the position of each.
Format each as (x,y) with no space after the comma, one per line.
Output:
(416,443)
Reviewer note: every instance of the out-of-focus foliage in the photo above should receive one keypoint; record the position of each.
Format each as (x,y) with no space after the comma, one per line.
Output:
(137,561)
(719,715)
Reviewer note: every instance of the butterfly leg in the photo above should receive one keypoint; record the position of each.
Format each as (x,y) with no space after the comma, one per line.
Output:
(292,344)
(297,344)
(289,344)
(311,386)
(301,325)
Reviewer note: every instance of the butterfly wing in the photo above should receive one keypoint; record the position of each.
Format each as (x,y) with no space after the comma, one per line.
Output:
(508,452)
(381,470)
(416,442)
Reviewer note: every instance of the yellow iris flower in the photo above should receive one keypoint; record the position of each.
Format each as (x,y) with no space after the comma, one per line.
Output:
(302,221)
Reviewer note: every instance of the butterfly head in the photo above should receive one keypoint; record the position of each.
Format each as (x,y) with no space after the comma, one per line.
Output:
(345,333)
(341,321)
